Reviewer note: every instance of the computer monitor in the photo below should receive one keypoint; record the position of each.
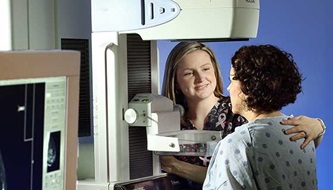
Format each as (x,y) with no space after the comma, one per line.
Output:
(39,96)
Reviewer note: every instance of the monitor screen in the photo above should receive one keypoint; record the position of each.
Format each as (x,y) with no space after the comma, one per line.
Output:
(39,92)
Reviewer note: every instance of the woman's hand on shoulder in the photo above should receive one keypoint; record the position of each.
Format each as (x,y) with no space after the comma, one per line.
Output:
(305,127)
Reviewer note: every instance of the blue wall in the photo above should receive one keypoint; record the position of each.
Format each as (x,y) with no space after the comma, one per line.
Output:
(305,29)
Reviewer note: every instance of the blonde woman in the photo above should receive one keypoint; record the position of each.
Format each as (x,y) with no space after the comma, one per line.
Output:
(192,79)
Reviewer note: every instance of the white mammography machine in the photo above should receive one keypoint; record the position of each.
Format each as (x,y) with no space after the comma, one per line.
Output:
(162,120)
(133,125)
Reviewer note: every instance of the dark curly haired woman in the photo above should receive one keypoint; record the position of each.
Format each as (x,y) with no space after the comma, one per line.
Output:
(258,155)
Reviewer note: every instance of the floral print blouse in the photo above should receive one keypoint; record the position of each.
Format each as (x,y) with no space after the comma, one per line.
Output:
(221,119)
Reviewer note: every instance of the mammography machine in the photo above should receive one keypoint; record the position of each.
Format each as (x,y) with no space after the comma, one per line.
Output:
(118,150)
(162,120)
(129,125)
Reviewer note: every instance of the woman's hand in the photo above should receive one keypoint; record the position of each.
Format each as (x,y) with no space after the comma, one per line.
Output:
(168,164)
(304,127)
(183,169)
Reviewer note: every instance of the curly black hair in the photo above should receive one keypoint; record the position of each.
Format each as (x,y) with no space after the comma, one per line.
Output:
(268,76)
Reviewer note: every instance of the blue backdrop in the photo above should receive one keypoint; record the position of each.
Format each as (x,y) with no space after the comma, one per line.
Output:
(305,29)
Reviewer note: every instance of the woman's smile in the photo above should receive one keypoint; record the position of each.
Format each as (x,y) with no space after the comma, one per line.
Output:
(201,87)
